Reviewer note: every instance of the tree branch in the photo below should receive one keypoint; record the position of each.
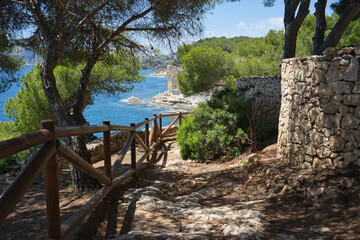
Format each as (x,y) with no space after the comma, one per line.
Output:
(320,24)
(71,34)
(165,29)
(338,30)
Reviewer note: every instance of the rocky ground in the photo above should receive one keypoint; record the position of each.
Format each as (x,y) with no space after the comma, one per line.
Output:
(254,196)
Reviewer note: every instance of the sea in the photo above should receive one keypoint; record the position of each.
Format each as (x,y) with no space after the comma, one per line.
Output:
(116,109)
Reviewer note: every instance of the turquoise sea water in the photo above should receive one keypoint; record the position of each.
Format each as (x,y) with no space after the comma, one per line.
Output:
(115,108)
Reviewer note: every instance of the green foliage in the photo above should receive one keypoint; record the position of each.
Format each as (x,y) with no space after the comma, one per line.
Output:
(224,126)
(260,56)
(204,68)
(7,130)
(304,44)
(208,62)
(30,105)
(207,133)
(118,74)
(10,62)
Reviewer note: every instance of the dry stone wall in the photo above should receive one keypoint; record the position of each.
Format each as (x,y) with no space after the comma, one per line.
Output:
(320,110)
(267,93)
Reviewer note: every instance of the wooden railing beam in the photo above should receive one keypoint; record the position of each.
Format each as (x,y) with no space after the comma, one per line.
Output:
(147,137)
(169,126)
(133,151)
(21,143)
(22,182)
(138,138)
(107,150)
(80,130)
(81,163)
(121,128)
(122,153)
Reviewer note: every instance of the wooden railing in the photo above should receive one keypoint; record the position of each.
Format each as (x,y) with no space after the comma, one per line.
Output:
(45,159)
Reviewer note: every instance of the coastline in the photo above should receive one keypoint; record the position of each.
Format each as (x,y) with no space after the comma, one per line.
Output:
(160,73)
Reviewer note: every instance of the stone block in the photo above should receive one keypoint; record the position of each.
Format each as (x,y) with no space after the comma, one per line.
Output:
(323,152)
(344,62)
(346,134)
(356,88)
(357,152)
(338,162)
(316,138)
(348,157)
(349,146)
(337,120)
(351,73)
(310,150)
(356,135)
(328,120)
(352,99)
(333,75)
(328,163)
(342,87)
(347,121)
(331,107)
(317,163)
(336,143)
(357,112)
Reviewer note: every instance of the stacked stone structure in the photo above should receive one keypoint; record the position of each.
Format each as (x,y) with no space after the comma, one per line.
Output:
(320,110)
(266,92)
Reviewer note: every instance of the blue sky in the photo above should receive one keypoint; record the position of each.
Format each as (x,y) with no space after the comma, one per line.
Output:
(247,18)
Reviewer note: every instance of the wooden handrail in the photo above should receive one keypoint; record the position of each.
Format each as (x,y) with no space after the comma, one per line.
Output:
(45,159)
(169,126)
(174,114)
(81,163)
(80,130)
(138,138)
(22,182)
(122,153)
(140,124)
(121,128)
(21,143)
(76,218)
(152,132)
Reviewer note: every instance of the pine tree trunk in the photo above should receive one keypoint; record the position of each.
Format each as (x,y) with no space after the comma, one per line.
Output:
(292,24)
(81,181)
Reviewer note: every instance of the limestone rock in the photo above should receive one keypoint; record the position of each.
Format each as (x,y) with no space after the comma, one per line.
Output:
(353,100)
(337,143)
(351,73)
(332,107)
(334,75)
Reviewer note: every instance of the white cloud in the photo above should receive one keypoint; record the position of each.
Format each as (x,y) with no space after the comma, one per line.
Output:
(259,28)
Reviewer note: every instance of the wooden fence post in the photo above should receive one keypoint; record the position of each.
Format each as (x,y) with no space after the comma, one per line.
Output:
(155,129)
(147,137)
(133,151)
(107,151)
(179,118)
(52,187)
(160,123)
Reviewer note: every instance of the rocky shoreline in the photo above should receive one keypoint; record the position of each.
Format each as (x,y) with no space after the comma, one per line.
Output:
(171,98)
(161,73)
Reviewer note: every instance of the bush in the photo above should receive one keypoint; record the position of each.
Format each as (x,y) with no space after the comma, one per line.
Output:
(224,126)
(207,133)
(204,69)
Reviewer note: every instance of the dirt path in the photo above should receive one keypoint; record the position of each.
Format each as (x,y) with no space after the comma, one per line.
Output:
(251,197)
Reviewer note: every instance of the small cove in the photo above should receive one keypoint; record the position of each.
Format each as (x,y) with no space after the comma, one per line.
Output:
(116,108)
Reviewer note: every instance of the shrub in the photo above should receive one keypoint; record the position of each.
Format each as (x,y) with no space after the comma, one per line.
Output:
(223,126)
(207,133)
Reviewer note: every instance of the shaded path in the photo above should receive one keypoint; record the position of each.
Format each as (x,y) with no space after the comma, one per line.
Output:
(251,197)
